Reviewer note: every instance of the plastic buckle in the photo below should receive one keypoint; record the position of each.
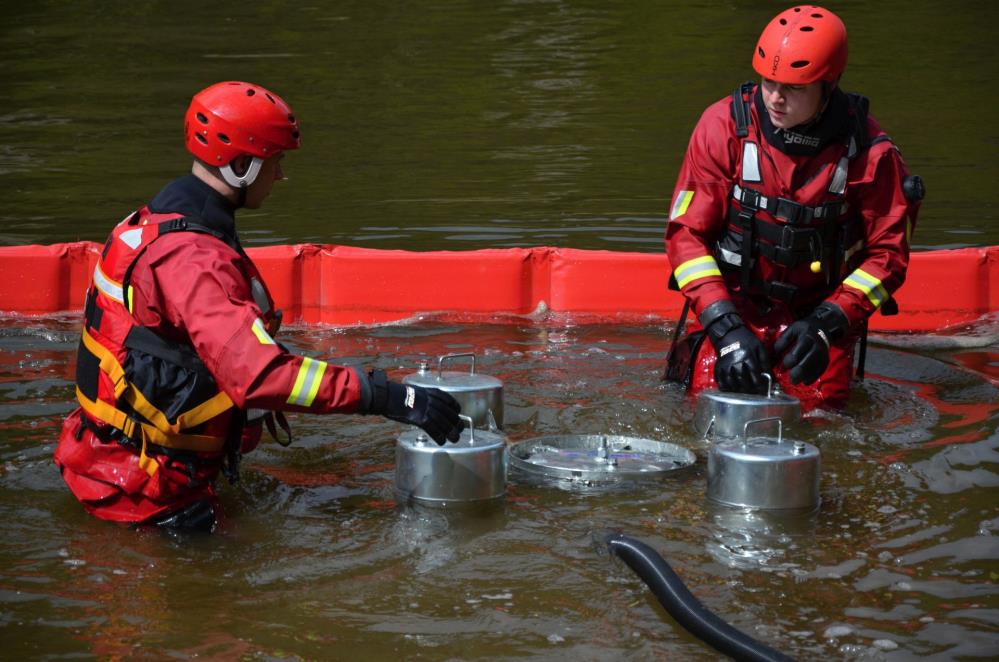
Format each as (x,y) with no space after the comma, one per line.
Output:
(750,199)
(789,210)
(780,291)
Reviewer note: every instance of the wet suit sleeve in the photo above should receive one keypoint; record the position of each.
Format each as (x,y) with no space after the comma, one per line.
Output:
(201,291)
(881,203)
(698,208)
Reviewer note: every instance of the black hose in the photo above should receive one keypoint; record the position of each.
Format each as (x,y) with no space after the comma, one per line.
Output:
(683,606)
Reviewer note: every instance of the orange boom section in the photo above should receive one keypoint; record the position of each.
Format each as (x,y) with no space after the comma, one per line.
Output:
(344,285)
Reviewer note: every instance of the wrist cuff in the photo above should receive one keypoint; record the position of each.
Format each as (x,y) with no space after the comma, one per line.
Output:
(376,401)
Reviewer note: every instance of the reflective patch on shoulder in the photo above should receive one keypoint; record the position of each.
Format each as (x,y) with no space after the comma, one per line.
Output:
(680,204)
(751,162)
(132,238)
(261,333)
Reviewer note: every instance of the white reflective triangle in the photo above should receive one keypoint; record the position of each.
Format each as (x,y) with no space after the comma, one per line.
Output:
(132,238)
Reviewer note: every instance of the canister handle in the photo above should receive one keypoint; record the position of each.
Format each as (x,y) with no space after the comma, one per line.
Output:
(780,427)
(440,362)
(471,428)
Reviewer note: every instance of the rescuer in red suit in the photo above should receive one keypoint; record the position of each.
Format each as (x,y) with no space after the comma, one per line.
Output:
(178,368)
(789,224)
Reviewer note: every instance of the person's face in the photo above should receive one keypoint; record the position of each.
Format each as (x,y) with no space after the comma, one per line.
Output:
(791,105)
(270,172)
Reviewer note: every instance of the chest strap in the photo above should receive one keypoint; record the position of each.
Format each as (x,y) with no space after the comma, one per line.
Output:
(793,212)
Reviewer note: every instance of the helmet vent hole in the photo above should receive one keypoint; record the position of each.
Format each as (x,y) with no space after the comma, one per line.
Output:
(201,118)
(291,118)
(761,53)
(201,139)
(224,138)
(250,92)
(294,134)
(806,28)
(800,64)
(783,21)
(270,98)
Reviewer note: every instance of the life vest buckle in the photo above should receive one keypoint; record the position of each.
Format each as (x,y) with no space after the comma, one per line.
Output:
(780,291)
(750,199)
(793,212)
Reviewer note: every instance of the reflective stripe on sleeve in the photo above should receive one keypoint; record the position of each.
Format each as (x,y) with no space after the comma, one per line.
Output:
(108,287)
(699,267)
(681,203)
(310,375)
(869,285)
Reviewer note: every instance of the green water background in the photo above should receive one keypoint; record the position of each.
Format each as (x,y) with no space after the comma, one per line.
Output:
(460,124)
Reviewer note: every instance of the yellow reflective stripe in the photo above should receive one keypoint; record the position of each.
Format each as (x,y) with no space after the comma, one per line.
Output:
(869,285)
(109,287)
(310,375)
(116,418)
(261,333)
(108,362)
(699,267)
(163,434)
(681,203)
(206,411)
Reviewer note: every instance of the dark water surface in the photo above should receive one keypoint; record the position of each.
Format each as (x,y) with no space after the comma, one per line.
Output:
(317,561)
(460,124)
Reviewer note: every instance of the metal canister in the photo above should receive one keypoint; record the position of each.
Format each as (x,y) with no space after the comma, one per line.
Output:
(764,472)
(723,415)
(471,470)
(480,396)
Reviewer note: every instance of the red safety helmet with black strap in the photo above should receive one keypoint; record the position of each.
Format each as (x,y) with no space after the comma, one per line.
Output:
(232,119)
(802,45)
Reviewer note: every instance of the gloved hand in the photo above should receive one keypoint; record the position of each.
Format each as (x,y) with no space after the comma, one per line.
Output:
(742,359)
(431,409)
(807,342)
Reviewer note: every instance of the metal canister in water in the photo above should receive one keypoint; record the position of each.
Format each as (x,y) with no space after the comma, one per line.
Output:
(480,396)
(471,470)
(723,415)
(764,473)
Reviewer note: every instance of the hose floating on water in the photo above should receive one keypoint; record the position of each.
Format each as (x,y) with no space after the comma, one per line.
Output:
(683,606)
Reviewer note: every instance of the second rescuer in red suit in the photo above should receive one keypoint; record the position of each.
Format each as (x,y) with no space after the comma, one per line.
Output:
(787,238)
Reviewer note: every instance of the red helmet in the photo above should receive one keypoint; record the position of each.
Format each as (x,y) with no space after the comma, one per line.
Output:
(802,45)
(233,119)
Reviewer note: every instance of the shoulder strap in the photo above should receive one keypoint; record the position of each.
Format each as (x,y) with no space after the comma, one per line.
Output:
(860,106)
(740,108)
(194,224)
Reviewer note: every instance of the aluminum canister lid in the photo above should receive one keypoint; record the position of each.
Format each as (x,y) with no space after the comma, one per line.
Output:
(725,415)
(598,457)
(470,441)
(452,381)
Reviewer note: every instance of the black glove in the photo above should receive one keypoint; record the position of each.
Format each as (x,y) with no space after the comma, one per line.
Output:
(808,340)
(431,409)
(742,359)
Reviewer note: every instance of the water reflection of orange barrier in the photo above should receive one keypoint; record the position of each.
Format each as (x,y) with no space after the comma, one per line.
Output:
(344,285)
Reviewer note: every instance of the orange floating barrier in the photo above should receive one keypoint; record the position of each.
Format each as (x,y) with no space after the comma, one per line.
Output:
(345,285)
